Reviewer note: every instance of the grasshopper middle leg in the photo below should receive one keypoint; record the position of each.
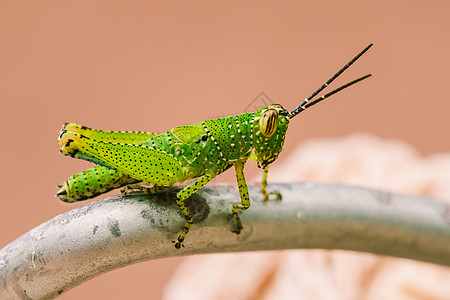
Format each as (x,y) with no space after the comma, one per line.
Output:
(182,195)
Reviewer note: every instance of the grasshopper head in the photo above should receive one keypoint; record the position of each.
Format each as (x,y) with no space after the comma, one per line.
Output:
(271,122)
(269,129)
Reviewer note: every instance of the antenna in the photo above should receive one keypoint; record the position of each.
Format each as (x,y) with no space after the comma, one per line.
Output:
(304,105)
(317,100)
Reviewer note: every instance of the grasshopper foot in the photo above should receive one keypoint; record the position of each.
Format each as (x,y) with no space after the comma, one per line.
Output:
(178,243)
(236,226)
(277,197)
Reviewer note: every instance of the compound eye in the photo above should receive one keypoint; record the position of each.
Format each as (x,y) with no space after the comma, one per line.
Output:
(268,122)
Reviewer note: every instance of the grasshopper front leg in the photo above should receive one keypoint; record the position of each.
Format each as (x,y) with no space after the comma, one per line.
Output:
(243,192)
(264,187)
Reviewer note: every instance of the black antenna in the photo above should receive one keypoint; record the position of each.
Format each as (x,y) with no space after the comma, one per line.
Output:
(304,105)
(317,100)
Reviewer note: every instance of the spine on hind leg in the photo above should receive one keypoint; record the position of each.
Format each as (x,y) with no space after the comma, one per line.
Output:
(91,183)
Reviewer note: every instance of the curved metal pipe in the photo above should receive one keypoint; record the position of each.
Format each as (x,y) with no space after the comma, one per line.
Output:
(111,233)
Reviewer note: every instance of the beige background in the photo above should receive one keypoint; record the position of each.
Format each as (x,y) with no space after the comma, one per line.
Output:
(139,65)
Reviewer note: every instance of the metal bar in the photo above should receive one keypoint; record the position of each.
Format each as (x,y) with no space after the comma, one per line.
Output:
(111,233)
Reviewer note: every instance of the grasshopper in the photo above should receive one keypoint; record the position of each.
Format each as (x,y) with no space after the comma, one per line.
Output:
(202,151)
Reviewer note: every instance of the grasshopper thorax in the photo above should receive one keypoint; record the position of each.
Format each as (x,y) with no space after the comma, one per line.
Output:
(269,129)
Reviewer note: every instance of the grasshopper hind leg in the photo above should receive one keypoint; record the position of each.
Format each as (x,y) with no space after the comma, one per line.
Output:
(91,183)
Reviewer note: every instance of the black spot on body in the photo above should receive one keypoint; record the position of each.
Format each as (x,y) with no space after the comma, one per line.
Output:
(69,141)
(73,153)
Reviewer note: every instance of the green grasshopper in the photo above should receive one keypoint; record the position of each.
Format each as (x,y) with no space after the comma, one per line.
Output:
(201,150)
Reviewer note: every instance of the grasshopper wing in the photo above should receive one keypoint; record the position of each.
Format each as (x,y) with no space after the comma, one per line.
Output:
(189,133)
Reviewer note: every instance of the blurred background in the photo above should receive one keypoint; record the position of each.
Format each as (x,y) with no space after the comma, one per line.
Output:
(143,65)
